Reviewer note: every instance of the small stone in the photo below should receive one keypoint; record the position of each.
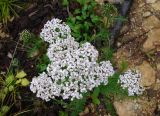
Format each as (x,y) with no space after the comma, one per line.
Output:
(156,5)
(139,107)
(9,55)
(122,110)
(151,22)
(148,74)
(152,40)
(35,53)
(146,14)
(150,1)
(7,35)
(2,35)
(119,44)
(124,29)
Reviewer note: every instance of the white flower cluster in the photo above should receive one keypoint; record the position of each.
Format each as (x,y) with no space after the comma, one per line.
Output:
(73,69)
(131,80)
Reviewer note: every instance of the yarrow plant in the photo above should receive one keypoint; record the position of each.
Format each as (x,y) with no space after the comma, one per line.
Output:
(73,69)
(131,80)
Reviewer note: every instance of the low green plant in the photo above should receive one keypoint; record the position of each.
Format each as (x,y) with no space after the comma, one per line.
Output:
(84,21)
(8,9)
(33,44)
(9,85)
(42,63)
(35,48)
(123,66)
(106,53)
(110,13)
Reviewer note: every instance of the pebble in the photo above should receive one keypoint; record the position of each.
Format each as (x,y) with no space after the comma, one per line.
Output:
(9,55)
(146,14)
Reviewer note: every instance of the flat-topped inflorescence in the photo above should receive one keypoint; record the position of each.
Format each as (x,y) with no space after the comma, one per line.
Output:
(130,80)
(74,69)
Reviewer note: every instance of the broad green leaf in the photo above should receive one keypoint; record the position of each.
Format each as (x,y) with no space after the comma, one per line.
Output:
(24,82)
(96,92)
(9,79)
(21,74)
(4,109)
(18,81)
(95,19)
(95,96)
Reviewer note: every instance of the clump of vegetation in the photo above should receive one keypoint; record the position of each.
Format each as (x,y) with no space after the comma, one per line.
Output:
(35,47)
(88,25)
(8,8)
(9,89)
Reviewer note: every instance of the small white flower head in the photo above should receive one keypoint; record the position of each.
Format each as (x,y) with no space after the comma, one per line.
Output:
(73,69)
(54,30)
(131,81)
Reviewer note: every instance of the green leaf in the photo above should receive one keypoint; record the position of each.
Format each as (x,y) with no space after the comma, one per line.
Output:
(79,18)
(95,19)
(65,3)
(77,11)
(1,114)
(120,18)
(96,100)
(41,67)
(62,113)
(4,109)
(96,92)
(18,81)
(24,82)
(21,74)
(81,2)
(11,88)
(84,15)
(5,90)
(9,79)
(2,96)
(123,65)
(76,28)
(86,26)
(77,106)
(95,96)
(107,54)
